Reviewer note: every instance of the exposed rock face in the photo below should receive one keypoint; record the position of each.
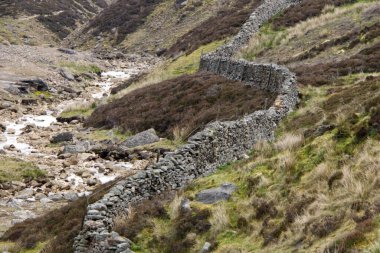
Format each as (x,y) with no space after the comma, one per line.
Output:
(211,196)
(66,136)
(218,144)
(140,139)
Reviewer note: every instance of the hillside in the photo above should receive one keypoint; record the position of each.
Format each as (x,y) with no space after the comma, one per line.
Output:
(37,22)
(314,189)
(186,25)
(248,156)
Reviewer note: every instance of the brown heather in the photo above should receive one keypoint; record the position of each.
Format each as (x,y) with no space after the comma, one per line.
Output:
(187,102)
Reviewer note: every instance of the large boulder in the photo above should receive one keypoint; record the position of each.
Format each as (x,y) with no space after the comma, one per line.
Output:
(65,73)
(61,137)
(214,195)
(143,138)
(80,147)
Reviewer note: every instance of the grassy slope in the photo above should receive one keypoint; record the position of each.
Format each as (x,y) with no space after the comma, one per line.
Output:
(313,190)
(25,31)
(44,22)
(143,30)
(186,28)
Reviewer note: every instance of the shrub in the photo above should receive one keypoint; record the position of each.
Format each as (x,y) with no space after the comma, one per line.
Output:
(186,103)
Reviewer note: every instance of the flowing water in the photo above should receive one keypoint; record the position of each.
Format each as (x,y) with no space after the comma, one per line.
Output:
(15,129)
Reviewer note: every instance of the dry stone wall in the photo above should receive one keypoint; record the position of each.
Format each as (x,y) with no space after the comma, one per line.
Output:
(216,145)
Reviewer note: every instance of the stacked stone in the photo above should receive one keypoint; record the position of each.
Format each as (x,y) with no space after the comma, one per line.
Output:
(216,145)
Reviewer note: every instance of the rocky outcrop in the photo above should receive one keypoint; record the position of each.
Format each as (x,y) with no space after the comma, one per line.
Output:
(219,143)
(140,139)
(62,137)
(213,195)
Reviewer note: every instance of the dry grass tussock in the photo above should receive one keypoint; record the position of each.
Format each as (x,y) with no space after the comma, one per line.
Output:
(289,142)
(219,219)
(175,206)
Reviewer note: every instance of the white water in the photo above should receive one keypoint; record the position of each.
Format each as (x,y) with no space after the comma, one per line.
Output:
(107,81)
(43,121)
(15,129)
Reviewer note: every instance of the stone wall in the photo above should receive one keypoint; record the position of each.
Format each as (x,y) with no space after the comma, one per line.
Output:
(216,145)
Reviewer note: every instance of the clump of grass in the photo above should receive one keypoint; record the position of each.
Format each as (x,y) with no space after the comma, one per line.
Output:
(12,169)
(80,68)
(45,94)
(266,39)
(115,134)
(374,248)
(81,109)
(289,142)
(219,220)
(33,173)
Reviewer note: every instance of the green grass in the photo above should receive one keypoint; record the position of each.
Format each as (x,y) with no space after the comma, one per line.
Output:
(85,112)
(99,135)
(80,68)
(15,170)
(5,34)
(185,64)
(46,94)
(189,64)
(266,39)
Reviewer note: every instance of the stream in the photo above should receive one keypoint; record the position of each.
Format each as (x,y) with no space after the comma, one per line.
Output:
(34,200)
(15,129)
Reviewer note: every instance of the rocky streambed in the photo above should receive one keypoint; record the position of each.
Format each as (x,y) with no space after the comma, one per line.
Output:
(70,156)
